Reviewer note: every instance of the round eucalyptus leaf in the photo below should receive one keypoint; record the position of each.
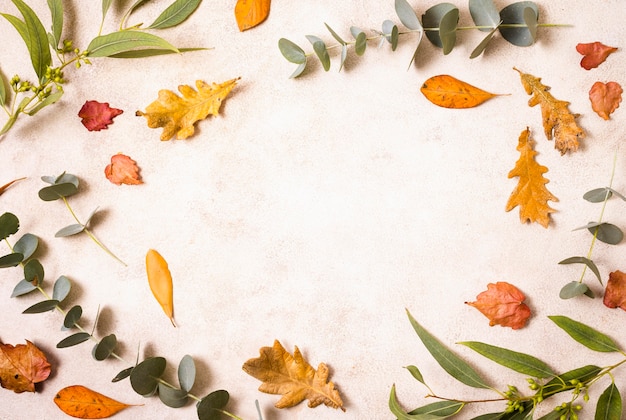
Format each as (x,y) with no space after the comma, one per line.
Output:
(531,19)
(608,233)
(432,21)
(388,30)
(48,179)
(67,178)
(298,71)
(33,272)
(26,245)
(208,406)
(573,289)
(123,374)
(320,50)
(72,316)
(360,44)
(61,288)
(143,377)
(9,224)
(73,340)
(57,191)
(291,51)
(186,373)
(23,287)
(70,230)
(355,31)
(172,397)
(105,347)
(447,30)
(407,15)
(598,195)
(11,260)
(514,14)
(43,306)
(484,13)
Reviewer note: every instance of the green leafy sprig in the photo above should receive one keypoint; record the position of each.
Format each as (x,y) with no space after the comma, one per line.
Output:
(23,97)
(542,381)
(517,23)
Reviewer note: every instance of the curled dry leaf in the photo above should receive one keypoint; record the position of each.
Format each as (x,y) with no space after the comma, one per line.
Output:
(123,170)
(615,294)
(530,193)
(4,187)
(250,13)
(160,281)
(503,304)
(97,116)
(293,378)
(594,54)
(177,115)
(22,366)
(83,403)
(449,92)
(605,98)
(558,122)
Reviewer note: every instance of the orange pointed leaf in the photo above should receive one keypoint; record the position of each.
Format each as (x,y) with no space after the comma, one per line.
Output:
(83,403)
(250,13)
(293,378)
(123,170)
(605,98)
(22,366)
(449,92)
(530,193)
(503,304)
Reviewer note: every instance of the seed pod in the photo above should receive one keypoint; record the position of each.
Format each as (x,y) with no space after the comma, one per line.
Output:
(160,280)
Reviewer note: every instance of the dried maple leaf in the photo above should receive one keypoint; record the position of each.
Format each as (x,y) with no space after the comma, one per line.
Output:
(594,54)
(558,121)
(530,193)
(97,116)
(615,294)
(177,115)
(503,304)
(22,366)
(83,403)
(293,378)
(605,98)
(449,92)
(250,13)
(123,170)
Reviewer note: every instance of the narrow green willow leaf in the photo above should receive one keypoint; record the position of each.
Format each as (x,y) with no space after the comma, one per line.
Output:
(320,50)
(123,374)
(484,13)
(585,335)
(298,71)
(105,347)
(607,233)
(415,372)
(9,224)
(186,373)
(360,43)
(74,339)
(530,19)
(480,48)
(43,306)
(22,287)
(396,410)
(609,405)
(56,12)
(106,5)
(175,14)
(70,230)
(513,15)
(143,377)
(291,51)
(153,52)
(3,90)
(449,361)
(209,408)
(18,24)
(598,195)
(335,34)
(391,33)
(57,191)
(72,316)
(11,260)
(123,41)
(432,19)
(61,288)
(407,15)
(563,381)
(37,41)
(583,260)
(26,245)
(439,410)
(50,99)
(573,289)
(519,362)
(34,272)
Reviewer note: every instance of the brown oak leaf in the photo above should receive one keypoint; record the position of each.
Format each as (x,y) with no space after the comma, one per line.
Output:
(530,193)
(22,366)
(123,170)
(250,13)
(83,403)
(293,378)
(503,304)
(615,294)
(605,98)
(97,116)
(558,122)
(594,54)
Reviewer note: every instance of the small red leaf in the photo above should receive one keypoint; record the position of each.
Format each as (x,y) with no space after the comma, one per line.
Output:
(605,98)
(615,294)
(97,116)
(503,304)
(123,170)
(594,54)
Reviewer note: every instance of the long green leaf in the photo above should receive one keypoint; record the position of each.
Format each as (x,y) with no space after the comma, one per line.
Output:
(106,5)
(440,409)
(37,41)
(585,335)
(3,90)
(396,410)
(175,14)
(153,52)
(449,361)
(519,362)
(609,405)
(56,12)
(53,98)
(563,382)
(123,41)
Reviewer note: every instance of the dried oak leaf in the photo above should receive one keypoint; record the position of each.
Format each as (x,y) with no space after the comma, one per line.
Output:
(83,403)
(615,294)
(449,92)
(530,193)
(123,170)
(605,98)
(594,54)
(558,121)
(177,115)
(97,116)
(250,13)
(503,304)
(22,366)
(293,378)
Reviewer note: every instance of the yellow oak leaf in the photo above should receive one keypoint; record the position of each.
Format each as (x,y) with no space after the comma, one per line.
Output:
(530,193)
(558,122)
(177,115)
(293,378)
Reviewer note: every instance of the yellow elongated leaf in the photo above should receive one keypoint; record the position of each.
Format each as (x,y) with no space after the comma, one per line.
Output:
(178,114)
(83,403)
(250,13)
(449,92)
(160,280)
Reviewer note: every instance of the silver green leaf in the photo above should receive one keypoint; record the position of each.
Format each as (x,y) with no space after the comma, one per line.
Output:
(172,397)
(519,362)
(344,55)
(74,339)
(585,335)
(583,260)
(607,233)
(9,224)
(66,178)
(144,377)
(23,287)
(440,22)
(210,407)
(415,372)
(335,34)
(407,15)
(531,20)
(124,41)
(485,14)
(291,51)
(175,14)
(11,260)
(617,194)
(574,289)
(72,316)
(360,40)
(56,12)
(186,373)
(43,306)
(298,71)
(320,50)
(105,347)
(598,195)
(26,245)
(61,288)
(37,40)
(390,30)
(514,28)
(70,230)
(609,404)
(480,48)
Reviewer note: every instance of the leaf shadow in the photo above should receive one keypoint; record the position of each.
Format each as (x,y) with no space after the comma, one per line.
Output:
(55,364)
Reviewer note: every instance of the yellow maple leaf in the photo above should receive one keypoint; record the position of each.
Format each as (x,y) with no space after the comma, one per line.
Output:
(293,378)
(177,115)
(558,122)
(530,193)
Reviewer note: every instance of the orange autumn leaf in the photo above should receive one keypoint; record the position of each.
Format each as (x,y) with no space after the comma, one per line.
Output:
(615,294)
(83,403)
(177,115)
(250,13)
(22,366)
(293,378)
(558,122)
(4,187)
(503,304)
(123,170)
(449,92)
(605,98)
(530,193)
(160,282)
(595,53)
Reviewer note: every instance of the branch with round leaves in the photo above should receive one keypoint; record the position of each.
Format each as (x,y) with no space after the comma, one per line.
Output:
(517,24)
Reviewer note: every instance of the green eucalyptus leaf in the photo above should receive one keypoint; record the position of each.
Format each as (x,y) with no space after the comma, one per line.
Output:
(574,289)
(415,372)
(291,51)
(492,416)
(484,13)
(390,30)
(3,90)
(144,377)
(106,5)
(56,12)
(49,100)
(209,408)
(320,50)
(438,410)
(43,306)
(23,287)
(609,404)
(37,41)
(585,335)
(74,339)
(519,362)
(598,195)
(608,233)
(9,224)
(513,15)
(531,20)
(172,397)
(360,42)
(72,316)
(582,374)
(344,55)
(65,178)
(449,361)
(617,194)
(587,226)
(18,24)
(69,230)
(186,373)
(432,20)
(175,14)
(136,6)
(152,52)
(480,48)
(48,179)
(11,260)
(26,245)
(123,374)
(105,347)
(335,34)
(583,260)
(61,288)
(123,41)
(34,272)
(298,71)
(407,15)
(447,30)
(57,191)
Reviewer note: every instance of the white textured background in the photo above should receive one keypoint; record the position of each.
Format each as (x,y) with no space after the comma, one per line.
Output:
(313,211)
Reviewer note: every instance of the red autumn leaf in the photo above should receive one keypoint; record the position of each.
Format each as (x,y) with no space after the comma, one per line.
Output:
(615,294)
(22,366)
(97,116)
(605,98)
(123,170)
(503,304)
(594,54)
